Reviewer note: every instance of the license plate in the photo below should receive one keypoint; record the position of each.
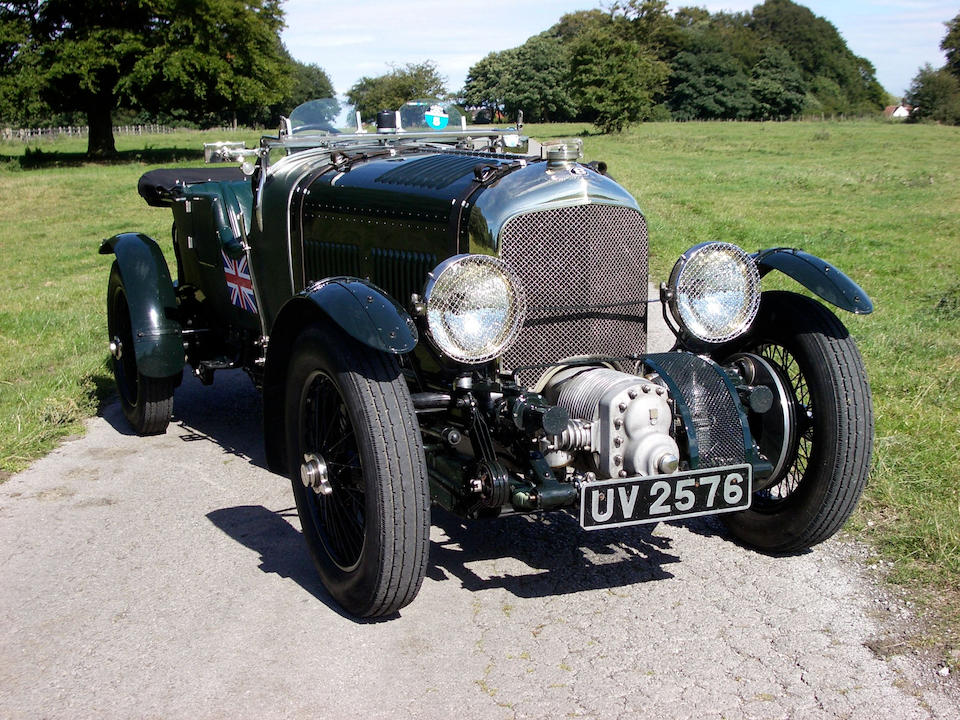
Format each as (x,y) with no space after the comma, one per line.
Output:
(652,498)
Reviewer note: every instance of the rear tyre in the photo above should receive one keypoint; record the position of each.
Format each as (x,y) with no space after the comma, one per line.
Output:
(147,402)
(358,471)
(828,450)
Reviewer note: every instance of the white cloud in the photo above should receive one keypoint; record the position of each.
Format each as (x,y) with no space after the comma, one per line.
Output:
(350,39)
(362,37)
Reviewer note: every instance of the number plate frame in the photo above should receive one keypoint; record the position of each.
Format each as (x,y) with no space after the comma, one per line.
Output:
(634,508)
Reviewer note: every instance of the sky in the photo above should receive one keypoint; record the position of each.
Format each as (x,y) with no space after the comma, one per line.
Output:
(353,38)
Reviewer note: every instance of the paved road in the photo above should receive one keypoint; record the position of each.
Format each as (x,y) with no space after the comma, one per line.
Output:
(166,577)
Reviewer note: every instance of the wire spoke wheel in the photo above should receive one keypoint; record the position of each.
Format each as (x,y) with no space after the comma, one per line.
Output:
(358,471)
(825,453)
(340,515)
(789,479)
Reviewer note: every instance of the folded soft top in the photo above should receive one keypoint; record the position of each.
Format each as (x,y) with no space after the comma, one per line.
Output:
(157,186)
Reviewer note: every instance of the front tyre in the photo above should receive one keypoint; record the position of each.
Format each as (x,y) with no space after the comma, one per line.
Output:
(827,452)
(147,402)
(358,471)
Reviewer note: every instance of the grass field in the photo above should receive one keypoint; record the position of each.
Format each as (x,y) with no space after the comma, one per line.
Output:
(881,201)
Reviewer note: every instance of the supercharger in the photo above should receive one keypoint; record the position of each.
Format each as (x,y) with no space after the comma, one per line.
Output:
(625,420)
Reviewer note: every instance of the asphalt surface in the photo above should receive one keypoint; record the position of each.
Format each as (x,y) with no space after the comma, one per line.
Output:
(166,577)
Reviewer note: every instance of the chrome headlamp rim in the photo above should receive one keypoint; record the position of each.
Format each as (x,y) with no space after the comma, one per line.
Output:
(736,319)
(440,336)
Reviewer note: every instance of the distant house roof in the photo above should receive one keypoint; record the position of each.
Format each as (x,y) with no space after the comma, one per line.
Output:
(897,111)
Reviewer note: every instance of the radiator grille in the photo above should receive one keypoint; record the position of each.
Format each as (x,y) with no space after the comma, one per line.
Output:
(584,272)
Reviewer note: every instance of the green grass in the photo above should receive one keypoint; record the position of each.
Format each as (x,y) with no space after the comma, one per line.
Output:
(53,370)
(881,201)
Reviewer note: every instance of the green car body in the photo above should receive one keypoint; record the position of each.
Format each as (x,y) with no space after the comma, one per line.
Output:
(355,238)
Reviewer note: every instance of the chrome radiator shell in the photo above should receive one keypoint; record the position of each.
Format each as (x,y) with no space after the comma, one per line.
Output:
(584,271)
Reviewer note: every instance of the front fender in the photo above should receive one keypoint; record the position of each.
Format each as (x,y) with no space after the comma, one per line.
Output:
(359,308)
(363,311)
(158,341)
(816,275)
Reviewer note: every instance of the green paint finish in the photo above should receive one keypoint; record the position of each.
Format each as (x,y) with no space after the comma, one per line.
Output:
(158,344)
(366,313)
(818,276)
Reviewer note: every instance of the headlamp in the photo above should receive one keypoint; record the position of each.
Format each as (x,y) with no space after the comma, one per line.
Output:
(474,307)
(715,291)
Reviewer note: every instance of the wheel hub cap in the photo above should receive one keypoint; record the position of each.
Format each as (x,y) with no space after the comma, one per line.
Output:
(314,475)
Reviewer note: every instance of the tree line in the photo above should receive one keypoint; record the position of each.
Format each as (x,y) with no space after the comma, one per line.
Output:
(203,62)
(214,62)
(935,94)
(639,61)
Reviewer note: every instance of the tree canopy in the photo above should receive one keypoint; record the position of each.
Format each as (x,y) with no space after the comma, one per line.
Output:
(531,78)
(615,80)
(935,94)
(638,59)
(709,85)
(951,45)
(776,84)
(389,91)
(210,60)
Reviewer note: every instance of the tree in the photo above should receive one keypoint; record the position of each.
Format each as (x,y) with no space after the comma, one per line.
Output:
(536,81)
(776,85)
(935,95)
(309,82)
(709,85)
(571,26)
(531,78)
(209,58)
(614,80)
(818,49)
(951,45)
(731,33)
(486,84)
(18,96)
(690,16)
(412,81)
(648,21)
(213,59)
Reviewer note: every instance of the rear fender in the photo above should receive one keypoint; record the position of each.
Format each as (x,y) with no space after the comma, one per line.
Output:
(158,340)
(360,309)
(816,275)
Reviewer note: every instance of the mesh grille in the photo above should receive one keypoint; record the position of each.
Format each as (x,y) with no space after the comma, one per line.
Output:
(713,412)
(584,272)
(718,292)
(473,308)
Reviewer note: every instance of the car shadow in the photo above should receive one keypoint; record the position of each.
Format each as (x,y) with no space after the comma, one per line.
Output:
(228,414)
(561,557)
(39,159)
(281,548)
(551,554)
(714,527)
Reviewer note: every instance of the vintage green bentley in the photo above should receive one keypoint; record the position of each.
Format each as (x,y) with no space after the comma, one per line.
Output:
(442,313)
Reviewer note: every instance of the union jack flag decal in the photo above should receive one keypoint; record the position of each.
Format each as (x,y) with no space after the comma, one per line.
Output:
(238,282)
